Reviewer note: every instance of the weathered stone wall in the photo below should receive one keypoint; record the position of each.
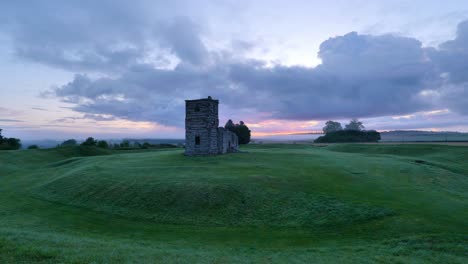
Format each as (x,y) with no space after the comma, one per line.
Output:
(201,120)
(233,141)
(227,141)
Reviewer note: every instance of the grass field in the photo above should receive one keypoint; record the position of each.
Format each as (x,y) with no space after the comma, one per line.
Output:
(275,203)
(423,136)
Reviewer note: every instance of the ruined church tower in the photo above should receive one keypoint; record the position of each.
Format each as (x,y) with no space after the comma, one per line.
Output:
(201,126)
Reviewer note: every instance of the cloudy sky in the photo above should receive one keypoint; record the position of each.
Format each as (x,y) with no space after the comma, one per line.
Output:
(114,68)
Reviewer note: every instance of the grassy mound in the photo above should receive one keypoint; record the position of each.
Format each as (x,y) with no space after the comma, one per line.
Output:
(334,204)
(187,201)
(79,151)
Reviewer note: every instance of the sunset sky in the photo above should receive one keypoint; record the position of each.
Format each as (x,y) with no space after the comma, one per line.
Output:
(111,69)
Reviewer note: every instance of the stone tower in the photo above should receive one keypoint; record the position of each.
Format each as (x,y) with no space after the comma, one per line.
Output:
(201,127)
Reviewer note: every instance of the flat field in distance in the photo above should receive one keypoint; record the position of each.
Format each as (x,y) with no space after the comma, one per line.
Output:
(423,136)
(275,203)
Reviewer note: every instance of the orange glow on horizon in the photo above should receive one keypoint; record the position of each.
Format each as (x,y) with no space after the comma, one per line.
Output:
(270,127)
(277,133)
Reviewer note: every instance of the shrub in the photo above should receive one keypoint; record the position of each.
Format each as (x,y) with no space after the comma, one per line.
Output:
(102,144)
(9,143)
(89,142)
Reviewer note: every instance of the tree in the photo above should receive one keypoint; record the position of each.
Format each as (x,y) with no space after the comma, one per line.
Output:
(102,144)
(12,143)
(9,143)
(332,126)
(89,142)
(373,136)
(33,147)
(241,130)
(243,133)
(229,125)
(355,124)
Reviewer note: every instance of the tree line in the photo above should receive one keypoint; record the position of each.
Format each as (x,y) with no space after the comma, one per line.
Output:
(125,144)
(354,131)
(241,130)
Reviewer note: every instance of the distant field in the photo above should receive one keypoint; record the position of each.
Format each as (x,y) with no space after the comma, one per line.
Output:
(276,203)
(421,136)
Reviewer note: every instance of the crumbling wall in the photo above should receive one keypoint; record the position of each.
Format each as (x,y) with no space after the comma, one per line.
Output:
(227,141)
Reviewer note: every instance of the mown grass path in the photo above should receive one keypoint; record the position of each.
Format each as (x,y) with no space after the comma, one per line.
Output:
(276,203)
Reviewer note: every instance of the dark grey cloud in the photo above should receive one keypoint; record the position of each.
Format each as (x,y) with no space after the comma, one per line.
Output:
(454,97)
(9,120)
(98,117)
(182,37)
(452,56)
(451,59)
(420,120)
(360,75)
(104,36)
(132,51)
(84,35)
(142,93)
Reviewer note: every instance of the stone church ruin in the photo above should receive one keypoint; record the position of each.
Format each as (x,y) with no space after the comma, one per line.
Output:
(203,136)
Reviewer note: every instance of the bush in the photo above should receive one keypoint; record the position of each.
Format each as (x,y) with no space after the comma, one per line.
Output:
(349,136)
(102,144)
(33,147)
(9,143)
(89,142)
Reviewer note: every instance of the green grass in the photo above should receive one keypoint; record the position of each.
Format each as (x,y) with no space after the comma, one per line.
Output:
(277,203)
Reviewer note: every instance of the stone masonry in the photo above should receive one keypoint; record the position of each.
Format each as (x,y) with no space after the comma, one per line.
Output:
(203,136)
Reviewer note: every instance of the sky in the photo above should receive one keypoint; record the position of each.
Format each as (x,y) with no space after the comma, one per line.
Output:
(114,68)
